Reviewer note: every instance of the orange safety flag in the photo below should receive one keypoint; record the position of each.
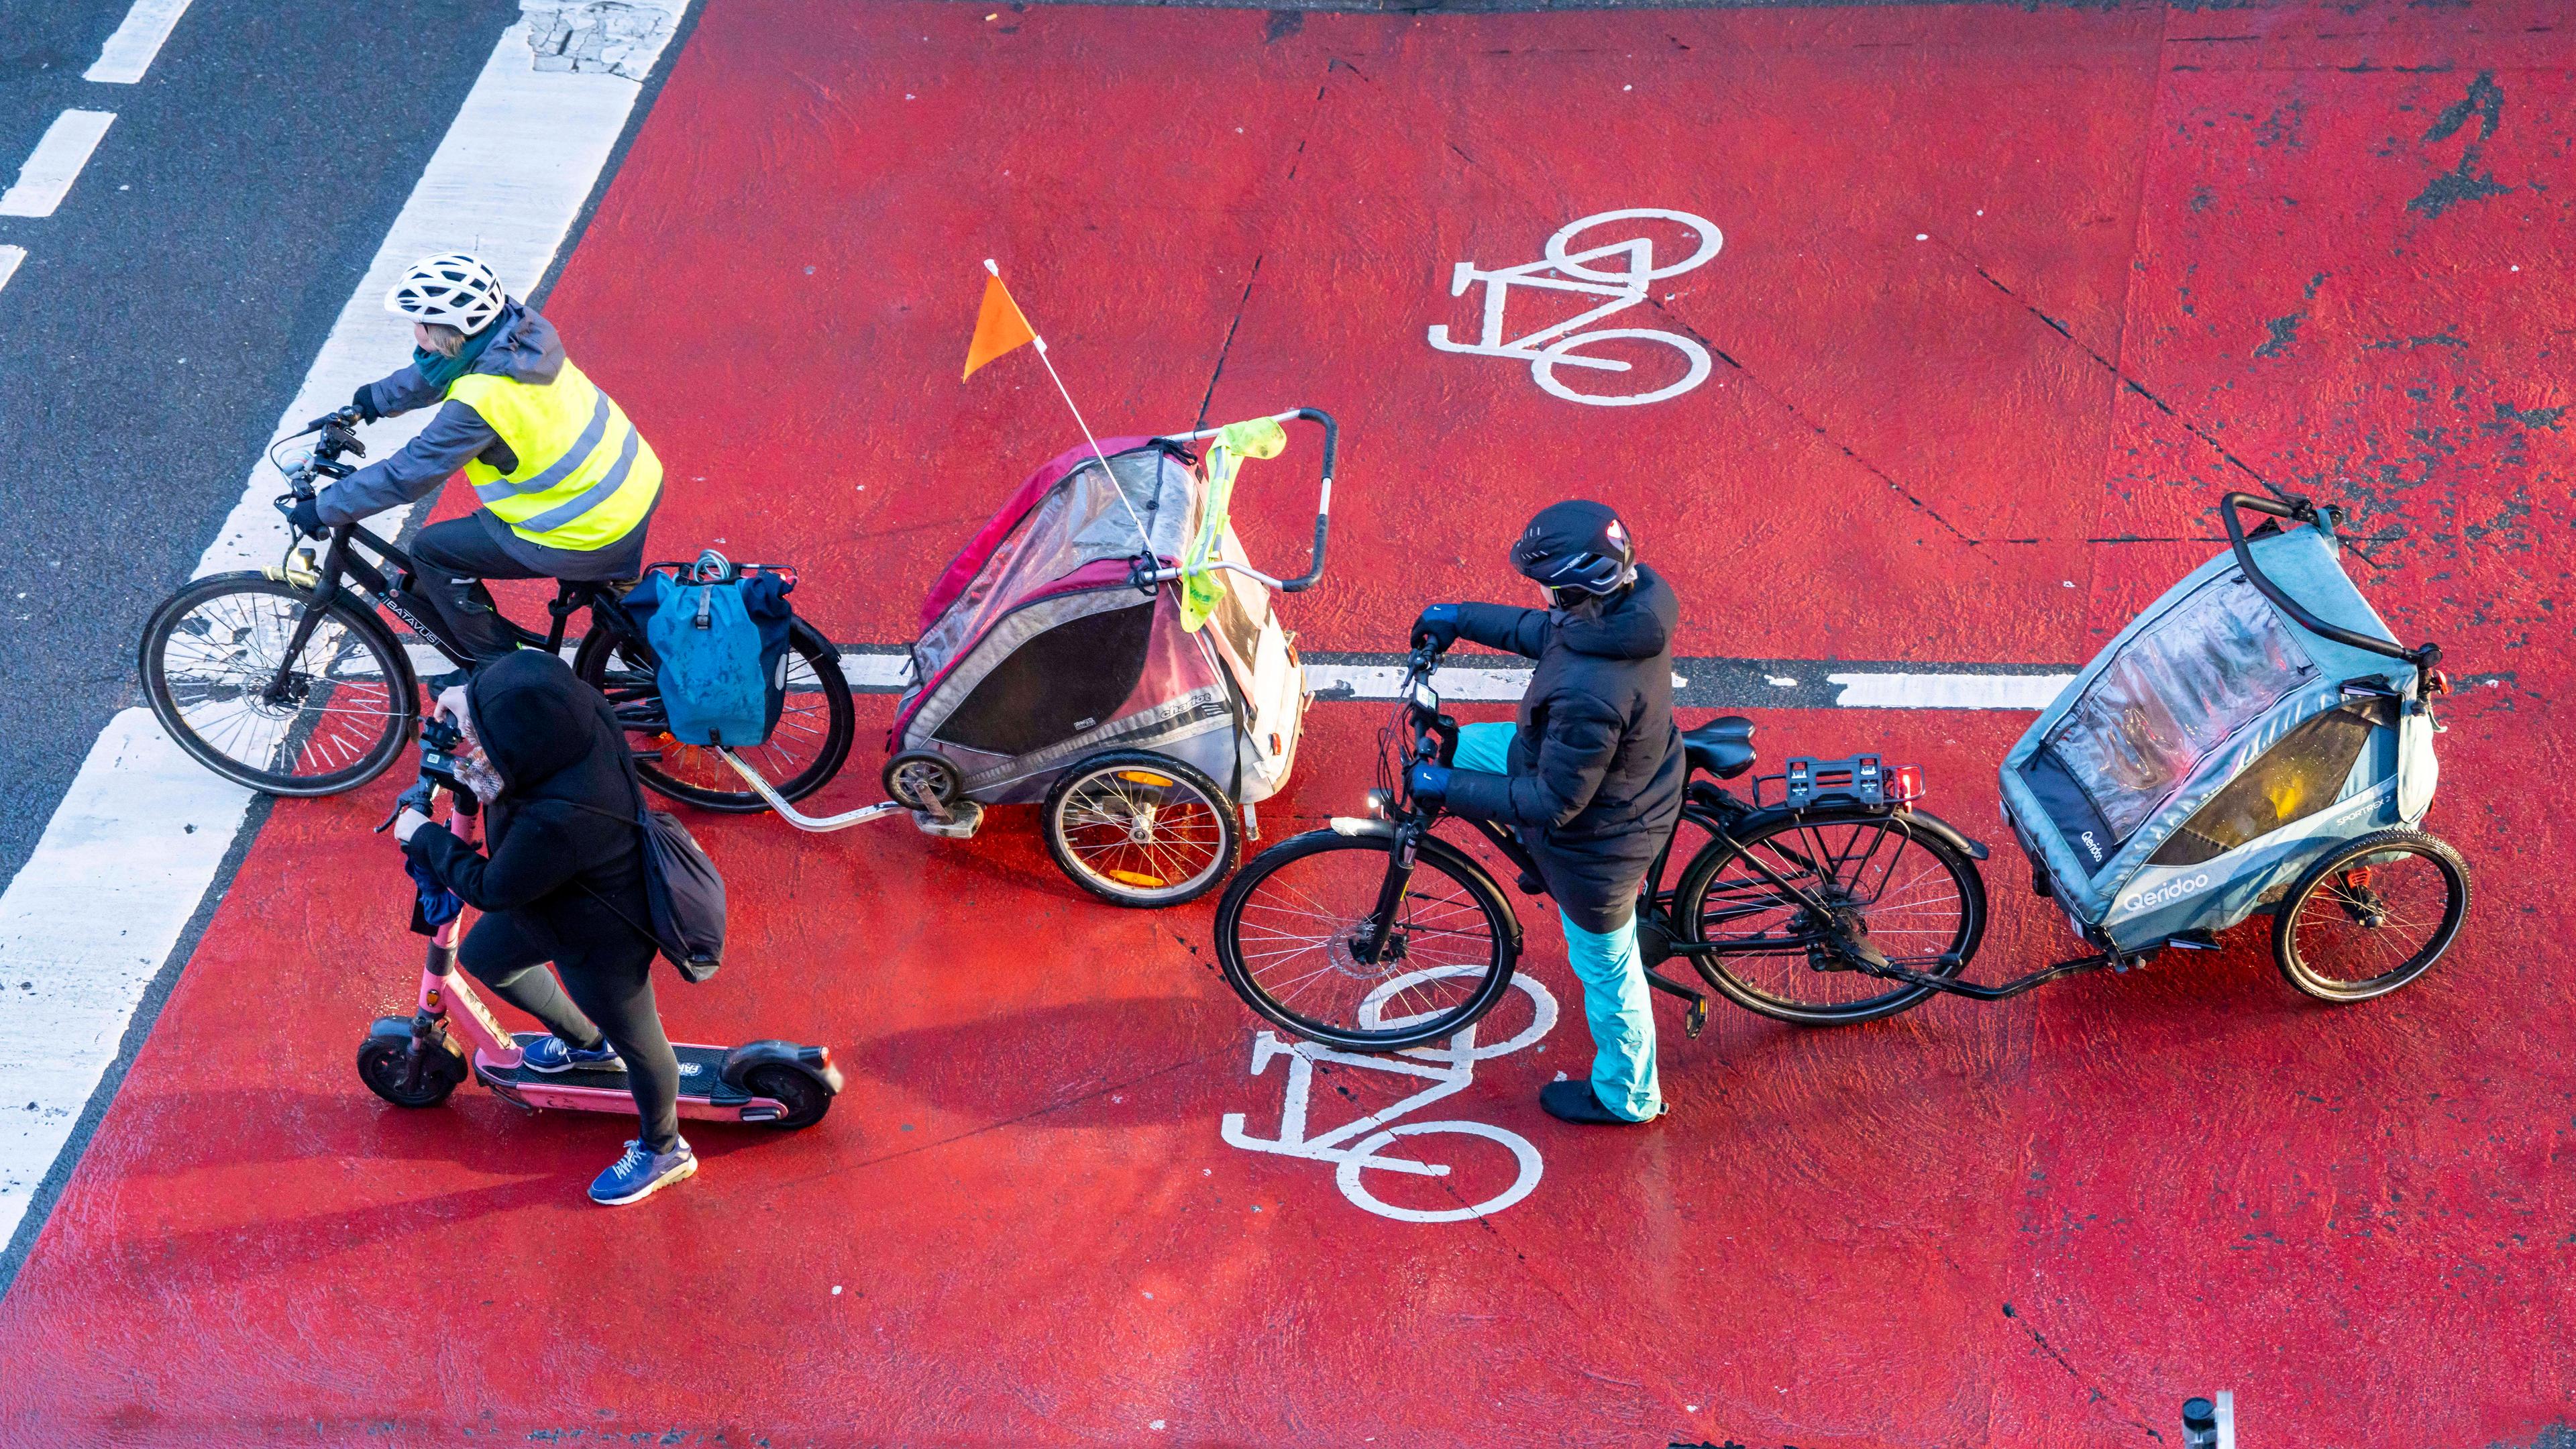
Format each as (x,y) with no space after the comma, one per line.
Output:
(999,327)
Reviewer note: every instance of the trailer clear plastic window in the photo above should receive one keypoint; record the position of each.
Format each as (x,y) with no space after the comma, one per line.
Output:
(2175,692)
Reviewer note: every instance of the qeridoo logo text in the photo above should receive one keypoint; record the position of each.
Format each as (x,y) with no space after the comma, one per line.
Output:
(2089,844)
(2169,891)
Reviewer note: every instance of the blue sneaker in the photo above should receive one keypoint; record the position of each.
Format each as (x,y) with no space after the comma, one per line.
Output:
(641,1173)
(554,1054)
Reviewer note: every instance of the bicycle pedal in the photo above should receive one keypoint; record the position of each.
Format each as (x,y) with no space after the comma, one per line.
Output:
(1695,1019)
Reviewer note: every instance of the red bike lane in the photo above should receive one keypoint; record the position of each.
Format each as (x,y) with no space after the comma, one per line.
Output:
(2005,299)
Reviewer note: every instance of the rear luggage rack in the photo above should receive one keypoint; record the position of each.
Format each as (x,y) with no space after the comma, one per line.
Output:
(1806,783)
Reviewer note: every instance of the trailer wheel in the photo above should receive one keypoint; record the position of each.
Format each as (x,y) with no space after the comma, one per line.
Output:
(2371,916)
(1137,828)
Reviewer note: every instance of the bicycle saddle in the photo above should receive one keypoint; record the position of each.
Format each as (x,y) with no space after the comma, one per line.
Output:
(1723,746)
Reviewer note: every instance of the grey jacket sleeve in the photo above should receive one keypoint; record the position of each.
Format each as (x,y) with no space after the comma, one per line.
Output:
(1500,626)
(455,435)
(400,393)
(1581,739)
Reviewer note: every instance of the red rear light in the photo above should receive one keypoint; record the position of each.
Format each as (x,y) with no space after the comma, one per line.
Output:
(1905,785)
(2436,682)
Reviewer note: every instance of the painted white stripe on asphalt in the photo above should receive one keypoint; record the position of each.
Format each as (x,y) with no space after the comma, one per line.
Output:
(505,185)
(55,163)
(128,53)
(869,669)
(99,906)
(10,257)
(86,925)
(1948,691)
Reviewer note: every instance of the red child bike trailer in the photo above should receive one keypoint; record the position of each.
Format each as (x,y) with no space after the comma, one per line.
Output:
(1104,648)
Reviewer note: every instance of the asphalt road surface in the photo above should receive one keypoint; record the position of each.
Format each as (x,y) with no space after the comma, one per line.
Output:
(174,296)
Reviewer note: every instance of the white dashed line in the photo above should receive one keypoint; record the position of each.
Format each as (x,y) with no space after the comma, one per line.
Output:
(55,163)
(1948,691)
(10,257)
(129,52)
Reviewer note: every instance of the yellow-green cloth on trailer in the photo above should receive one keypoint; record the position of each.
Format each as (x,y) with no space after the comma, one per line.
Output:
(1201,589)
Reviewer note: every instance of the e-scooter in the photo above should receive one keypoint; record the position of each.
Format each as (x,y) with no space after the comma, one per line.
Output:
(417,1060)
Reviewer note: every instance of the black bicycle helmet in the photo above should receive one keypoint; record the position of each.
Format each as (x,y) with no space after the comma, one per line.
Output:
(1579,547)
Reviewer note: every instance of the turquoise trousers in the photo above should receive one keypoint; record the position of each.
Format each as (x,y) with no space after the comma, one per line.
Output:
(1616,1003)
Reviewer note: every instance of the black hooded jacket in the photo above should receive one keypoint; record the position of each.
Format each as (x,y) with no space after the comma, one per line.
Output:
(1596,764)
(558,749)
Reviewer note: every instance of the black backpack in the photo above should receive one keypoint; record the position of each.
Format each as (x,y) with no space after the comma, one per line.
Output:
(686,896)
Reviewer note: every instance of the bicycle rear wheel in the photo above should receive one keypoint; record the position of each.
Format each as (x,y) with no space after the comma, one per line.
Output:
(211,658)
(809,746)
(1285,931)
(1920,901)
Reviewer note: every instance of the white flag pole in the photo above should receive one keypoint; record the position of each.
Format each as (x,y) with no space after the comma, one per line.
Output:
(1146,539)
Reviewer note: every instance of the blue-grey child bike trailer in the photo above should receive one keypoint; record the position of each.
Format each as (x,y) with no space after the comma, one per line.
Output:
(2256,743)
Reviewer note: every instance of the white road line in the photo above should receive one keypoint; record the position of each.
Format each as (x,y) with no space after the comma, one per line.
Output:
(86,924)
(55,163)
(1948,691)
(128,53)
(10,257)
(99,906)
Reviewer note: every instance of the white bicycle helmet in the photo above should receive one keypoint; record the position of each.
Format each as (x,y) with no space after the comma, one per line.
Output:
(453,288)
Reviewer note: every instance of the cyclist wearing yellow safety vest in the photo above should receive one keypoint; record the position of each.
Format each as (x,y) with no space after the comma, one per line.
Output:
(567,484)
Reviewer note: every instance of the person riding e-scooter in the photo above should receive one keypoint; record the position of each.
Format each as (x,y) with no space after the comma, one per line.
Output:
(568,485)
(564,883)
(1591,773)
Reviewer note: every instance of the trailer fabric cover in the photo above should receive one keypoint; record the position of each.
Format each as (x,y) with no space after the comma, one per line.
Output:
(2159,766)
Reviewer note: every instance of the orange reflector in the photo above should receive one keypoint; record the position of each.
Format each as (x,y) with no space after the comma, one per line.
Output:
(1129,877)
(1146,777)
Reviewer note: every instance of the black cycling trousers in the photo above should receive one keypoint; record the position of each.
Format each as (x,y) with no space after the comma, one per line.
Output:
(610,986)
(456,556)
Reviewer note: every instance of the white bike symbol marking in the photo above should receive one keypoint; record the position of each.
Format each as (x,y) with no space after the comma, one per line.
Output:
(1550,348)
(1448,1067)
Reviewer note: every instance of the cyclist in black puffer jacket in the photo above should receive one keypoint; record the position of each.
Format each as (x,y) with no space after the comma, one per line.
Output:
(1591,773)
(564,883)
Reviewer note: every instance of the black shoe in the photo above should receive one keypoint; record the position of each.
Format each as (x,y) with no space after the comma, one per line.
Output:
(1576,1102)
(438,684)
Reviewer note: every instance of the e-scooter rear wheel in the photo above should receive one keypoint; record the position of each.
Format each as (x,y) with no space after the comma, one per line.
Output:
(384,1064)
(805,1099)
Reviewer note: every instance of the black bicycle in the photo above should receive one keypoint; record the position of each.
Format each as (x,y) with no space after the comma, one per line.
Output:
(1376,934)
(286,679)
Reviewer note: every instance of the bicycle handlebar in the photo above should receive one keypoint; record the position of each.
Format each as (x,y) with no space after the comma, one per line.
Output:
(2300,510)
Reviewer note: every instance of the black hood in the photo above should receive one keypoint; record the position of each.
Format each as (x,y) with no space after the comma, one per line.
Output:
(1637,623)
(531,717)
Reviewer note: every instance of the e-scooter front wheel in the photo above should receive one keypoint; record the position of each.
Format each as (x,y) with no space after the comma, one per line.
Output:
(384,1064)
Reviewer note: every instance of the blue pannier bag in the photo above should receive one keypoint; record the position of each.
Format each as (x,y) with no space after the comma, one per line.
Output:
(719,633)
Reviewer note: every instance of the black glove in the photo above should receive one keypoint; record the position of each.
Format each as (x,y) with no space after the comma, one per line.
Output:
(306,518)
(1430,783)
(365,406)
(1438,627)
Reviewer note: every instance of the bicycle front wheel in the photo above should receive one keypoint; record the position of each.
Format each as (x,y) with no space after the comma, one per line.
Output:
(1287,934)
(815,725)
(1920,901)
(216,670)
